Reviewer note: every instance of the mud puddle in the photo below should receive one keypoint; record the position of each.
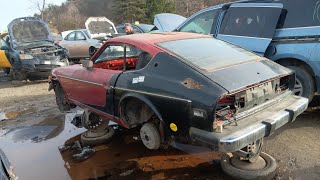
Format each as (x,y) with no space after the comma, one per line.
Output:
(34,153)
(15,114)
(124,158)
(33,150)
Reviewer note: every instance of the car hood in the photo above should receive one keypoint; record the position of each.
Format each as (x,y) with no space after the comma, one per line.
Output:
(241,76)
(167,22)
(28,30)
(100,26)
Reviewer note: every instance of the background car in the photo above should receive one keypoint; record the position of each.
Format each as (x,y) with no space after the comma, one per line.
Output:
(100,27)
(4,62)
(79,44)
(137,28)
(275,30)
(163,22)
(30,50)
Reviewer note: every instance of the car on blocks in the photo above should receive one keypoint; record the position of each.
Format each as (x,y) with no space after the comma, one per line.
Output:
(183,87)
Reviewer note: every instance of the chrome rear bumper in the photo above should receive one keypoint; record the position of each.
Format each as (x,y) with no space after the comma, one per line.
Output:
(253,127)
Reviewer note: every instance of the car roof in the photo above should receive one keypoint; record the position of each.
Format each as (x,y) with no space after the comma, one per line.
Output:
(148,41)
(155,37)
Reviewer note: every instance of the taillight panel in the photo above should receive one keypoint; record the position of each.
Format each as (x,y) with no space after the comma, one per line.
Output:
(228,106)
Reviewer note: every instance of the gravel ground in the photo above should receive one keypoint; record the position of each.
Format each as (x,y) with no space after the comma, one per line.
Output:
(295,146)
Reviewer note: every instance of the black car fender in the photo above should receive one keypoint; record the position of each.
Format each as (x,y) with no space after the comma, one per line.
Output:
(143,99)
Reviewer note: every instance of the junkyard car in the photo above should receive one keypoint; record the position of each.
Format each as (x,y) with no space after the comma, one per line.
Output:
(80,44)
(163,22)
(100,27)
(181,86)
(4,62)
(29,49)
(274,29)
(137,28)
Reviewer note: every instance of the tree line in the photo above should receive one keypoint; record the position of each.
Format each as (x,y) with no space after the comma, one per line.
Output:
(72,14)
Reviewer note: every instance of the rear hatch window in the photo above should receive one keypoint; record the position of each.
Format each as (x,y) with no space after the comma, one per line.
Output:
(209,54)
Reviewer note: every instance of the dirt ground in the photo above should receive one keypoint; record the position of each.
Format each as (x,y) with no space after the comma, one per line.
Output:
(295,146)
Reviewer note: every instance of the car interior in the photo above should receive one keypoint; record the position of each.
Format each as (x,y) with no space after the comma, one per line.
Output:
(114,59)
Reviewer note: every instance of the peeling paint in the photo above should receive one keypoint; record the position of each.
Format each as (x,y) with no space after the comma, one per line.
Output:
(191,84)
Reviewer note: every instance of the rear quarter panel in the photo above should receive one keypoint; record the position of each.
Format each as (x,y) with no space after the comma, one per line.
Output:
(174,89)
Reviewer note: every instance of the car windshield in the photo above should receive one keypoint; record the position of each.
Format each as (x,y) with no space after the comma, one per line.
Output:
(208,53)
(146,27)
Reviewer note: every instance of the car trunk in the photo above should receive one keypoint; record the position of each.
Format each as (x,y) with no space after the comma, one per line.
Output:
(100,27)
(251,87)
(167,22)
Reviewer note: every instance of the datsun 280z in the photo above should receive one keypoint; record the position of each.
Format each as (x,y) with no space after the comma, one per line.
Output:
(183,87)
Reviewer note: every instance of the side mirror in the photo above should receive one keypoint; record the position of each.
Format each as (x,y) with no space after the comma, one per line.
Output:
(6,48)
(87,64)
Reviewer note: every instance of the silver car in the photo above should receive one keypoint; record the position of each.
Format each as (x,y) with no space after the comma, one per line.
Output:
(79,43)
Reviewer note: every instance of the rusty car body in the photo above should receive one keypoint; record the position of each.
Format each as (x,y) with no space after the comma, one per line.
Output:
(223,97)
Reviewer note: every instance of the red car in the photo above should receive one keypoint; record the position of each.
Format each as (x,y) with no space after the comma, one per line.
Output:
(182,87)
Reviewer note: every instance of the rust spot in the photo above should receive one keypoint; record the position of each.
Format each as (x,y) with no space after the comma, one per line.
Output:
(191,84)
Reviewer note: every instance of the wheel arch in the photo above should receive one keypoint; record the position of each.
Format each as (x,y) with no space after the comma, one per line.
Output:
(143,99)
(92,50)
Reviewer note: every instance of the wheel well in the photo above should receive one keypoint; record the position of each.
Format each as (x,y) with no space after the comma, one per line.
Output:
(298,62)
(91,51)
(135,111)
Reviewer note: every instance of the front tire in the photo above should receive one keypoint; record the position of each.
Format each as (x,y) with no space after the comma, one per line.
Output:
(304,82)
(18,75)
(62,104)
(6,70)
(92,50)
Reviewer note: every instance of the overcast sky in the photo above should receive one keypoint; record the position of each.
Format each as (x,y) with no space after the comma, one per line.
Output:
(11,9)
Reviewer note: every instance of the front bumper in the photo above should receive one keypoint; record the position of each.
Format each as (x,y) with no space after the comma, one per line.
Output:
(38,66)
(253,127)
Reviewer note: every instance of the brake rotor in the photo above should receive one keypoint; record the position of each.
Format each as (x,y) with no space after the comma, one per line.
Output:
(93,122)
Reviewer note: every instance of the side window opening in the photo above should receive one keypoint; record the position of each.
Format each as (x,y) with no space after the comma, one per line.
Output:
(80,36)
(113,58)
(5,42)
(250,21)
(301,13)
(71,36)
(201,23)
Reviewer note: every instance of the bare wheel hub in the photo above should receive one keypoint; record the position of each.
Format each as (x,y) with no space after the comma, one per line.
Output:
(150,136)
(93,122)
(251,152)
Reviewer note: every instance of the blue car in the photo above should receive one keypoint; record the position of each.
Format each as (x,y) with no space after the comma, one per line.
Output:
(29,49)
(286,32)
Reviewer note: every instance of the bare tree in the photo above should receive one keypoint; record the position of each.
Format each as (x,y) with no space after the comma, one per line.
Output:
(40,6)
